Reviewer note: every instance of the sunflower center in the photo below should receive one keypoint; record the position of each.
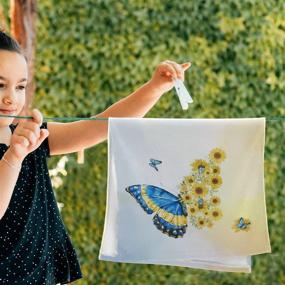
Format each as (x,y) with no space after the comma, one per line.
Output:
(215,214)
(217,155)
(215,181)
(199,190)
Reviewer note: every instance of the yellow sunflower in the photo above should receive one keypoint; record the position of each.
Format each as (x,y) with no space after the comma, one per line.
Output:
(206,212)
(199,190)
(215,200)
(215,170)
(201,165)
(217,155)
(208,172)
(186,198)
(201,223)
(189,179)
(216,214)
(215,181)
(192,210)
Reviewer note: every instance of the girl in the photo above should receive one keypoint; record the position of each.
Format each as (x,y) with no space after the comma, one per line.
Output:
(34,245)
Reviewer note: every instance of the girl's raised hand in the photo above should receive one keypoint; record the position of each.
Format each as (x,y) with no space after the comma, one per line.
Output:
(27,137)
(165,72)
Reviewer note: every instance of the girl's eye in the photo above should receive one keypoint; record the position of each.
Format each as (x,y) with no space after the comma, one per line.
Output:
(21,87)
(2,85)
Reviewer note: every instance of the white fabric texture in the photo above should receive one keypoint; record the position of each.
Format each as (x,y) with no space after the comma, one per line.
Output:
(215,169)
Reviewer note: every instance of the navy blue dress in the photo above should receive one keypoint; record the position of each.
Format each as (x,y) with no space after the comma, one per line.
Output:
(34,245)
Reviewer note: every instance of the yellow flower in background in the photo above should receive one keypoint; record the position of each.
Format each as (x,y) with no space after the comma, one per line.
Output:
(215,181)
(215,200)
(199,190)
(217,155)
(216,213)
(200,165)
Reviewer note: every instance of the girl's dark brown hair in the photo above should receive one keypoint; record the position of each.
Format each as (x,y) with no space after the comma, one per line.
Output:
(9,44)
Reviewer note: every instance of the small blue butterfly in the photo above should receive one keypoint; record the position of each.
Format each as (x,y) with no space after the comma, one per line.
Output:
(170,212)
(200,203)
(154,162)
(242,224)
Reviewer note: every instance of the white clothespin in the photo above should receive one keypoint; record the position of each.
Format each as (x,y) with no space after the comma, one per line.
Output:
(183,94)
(80,157)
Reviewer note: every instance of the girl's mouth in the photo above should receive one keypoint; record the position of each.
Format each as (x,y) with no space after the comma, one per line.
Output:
(7,112)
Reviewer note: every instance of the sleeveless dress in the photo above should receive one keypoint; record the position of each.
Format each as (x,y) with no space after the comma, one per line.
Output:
(34,245)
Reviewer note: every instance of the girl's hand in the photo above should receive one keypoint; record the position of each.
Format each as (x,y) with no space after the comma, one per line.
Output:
(26,138)
(165,72)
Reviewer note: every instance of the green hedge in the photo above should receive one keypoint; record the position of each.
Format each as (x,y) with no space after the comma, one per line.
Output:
(92,53)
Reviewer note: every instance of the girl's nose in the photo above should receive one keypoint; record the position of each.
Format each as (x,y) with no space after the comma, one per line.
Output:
(7,100)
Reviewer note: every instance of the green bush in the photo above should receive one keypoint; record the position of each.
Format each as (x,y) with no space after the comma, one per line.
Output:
(92,53)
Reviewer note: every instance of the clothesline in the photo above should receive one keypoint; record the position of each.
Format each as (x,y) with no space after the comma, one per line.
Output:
(72,119)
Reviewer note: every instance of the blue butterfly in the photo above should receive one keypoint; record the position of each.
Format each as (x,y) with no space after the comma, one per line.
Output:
(170,212)
(242,224)
(154,162)
(200,203)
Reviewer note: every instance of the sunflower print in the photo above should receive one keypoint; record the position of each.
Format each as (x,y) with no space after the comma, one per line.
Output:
(217,155)
(200,165)
(199,190)
(215,181)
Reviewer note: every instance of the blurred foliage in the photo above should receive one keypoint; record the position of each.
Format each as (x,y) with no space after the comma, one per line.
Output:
(91,53)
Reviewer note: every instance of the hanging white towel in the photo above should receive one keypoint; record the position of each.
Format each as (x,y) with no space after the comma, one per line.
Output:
(186,192)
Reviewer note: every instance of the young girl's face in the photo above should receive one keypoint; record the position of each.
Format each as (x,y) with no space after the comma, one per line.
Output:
(13,81)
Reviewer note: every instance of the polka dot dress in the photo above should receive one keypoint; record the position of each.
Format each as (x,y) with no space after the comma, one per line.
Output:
(34,245)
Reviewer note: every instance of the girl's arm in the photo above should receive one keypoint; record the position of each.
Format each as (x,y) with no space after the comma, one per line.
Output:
(72,137)
(9,172)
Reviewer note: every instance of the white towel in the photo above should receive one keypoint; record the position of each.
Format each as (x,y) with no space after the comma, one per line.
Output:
(186,192)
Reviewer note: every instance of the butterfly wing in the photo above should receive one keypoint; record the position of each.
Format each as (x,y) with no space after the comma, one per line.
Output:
(154,162)
(153,165)
(135,191)
(171,214)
